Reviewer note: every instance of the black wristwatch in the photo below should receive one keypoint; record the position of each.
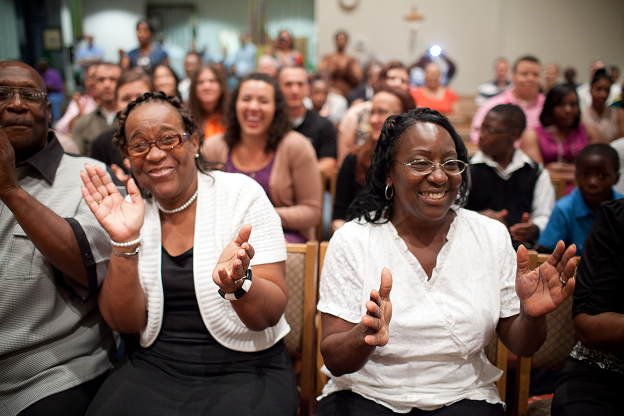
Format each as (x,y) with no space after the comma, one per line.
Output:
(240,292)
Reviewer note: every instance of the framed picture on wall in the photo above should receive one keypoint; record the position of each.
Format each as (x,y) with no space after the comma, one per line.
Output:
(52,40)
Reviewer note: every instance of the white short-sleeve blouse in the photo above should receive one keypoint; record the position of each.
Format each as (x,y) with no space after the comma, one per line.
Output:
(440,326)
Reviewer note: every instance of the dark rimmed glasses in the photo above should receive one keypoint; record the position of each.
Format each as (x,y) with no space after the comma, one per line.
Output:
(30,95)
(425,167)
(166,143)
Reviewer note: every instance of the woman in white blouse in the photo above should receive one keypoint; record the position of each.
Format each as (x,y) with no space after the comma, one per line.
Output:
(454,282)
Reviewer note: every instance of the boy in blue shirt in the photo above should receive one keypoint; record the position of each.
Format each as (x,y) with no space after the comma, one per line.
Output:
(597,170)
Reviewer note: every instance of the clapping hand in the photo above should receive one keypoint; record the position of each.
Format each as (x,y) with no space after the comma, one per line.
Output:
(543,289)
(379,312)
(121,220)
(525,230)
(234,261)
(8,175)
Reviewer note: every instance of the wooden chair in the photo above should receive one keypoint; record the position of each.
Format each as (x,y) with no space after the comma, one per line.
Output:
(497,353)
(560,187)
(553,353)
(329,184)
(301,279)
(321,379)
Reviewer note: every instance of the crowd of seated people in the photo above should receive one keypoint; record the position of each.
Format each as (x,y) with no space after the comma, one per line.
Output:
(174,232)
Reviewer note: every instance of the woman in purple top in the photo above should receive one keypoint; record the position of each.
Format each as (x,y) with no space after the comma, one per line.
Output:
(259,143)
(561,136)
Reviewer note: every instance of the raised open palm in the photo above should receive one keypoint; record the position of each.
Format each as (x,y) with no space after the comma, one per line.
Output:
(234,260)
(541,290)
(379,312)
(121,219)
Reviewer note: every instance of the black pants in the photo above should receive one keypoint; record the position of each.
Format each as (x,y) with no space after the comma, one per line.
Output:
(347,403)
(582,389)
(72,402)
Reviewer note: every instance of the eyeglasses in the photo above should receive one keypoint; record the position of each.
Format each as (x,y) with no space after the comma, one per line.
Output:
(30,95)
(167,142)
(380,113)
(425,167)
(492,131)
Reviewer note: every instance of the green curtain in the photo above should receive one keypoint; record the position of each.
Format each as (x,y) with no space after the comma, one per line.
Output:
(75,8)
(9,46)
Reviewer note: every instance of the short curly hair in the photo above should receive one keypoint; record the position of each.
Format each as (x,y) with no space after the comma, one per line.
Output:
(280,125)
(371,203)
(119,139)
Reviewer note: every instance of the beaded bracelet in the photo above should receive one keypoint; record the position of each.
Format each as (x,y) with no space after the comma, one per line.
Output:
(129,243)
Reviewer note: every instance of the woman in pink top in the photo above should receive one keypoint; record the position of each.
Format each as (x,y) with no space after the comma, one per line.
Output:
(561,136)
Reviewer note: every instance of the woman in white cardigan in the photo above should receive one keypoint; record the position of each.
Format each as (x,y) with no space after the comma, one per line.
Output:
(210,329)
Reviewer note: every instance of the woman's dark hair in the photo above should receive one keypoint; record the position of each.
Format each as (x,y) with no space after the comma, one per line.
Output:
(364,152)
(599,75)
(175,77)
(280,124)
(119,139)
(553,98)
(149,24)
(201,115)
(371,203)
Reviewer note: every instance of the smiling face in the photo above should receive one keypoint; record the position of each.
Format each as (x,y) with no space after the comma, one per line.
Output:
(318,94)
(425,198)
(432,76)
(169,175)
(566,112)
(25,123)
(208,90)
(255,108)
(164,80)
(384,106)
(595,176)
(191,63)
(600,92)
(398,78)
(526,80)
(129,92)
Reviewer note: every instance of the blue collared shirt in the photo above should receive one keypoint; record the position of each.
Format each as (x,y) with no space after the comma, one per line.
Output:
(570,221)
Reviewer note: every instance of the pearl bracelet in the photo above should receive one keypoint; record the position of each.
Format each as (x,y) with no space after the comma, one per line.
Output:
(129,243)
(124,254)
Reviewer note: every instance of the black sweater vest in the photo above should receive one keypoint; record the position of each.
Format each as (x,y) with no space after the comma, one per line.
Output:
(490,191)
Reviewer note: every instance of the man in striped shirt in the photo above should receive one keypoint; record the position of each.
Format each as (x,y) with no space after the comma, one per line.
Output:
(55,347)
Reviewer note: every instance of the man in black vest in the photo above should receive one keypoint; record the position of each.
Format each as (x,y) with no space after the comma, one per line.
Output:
(319,130)
(506,184)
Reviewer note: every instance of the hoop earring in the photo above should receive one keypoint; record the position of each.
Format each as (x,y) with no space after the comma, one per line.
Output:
(391,192)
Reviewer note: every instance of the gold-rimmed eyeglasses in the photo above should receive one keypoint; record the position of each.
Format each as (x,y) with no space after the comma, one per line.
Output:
(425,167)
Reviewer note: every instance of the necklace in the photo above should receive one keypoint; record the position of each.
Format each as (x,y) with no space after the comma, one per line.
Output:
(181,208)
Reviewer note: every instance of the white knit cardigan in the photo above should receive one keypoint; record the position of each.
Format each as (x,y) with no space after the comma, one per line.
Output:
(225,203)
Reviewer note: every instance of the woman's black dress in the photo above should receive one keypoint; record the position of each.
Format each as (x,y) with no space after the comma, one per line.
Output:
(187,372)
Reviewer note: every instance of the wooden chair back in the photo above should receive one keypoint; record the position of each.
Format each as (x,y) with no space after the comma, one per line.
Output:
(553,353)
(301,279)
(321,379)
